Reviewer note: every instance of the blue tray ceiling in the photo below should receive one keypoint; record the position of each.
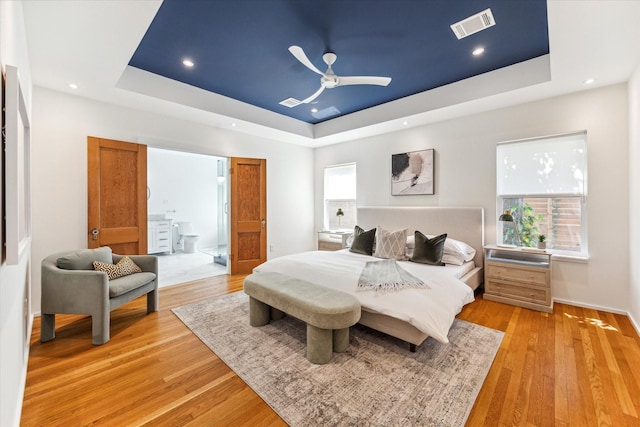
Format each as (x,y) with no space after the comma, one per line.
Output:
(240,47)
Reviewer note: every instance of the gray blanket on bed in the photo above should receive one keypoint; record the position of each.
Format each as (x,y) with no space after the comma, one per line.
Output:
(387,276)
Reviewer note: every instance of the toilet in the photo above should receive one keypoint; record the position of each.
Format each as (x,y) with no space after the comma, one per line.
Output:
(187,237)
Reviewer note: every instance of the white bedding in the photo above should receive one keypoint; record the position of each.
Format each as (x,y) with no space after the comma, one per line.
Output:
(430,310)
(456,271)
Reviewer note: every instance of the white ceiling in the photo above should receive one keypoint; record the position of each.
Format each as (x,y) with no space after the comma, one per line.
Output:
(90,44)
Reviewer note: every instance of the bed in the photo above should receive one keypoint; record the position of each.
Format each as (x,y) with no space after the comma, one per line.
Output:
(411,315)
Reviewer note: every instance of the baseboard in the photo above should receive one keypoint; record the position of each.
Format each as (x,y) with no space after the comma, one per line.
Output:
(591,306)
(636,325)
(23,375)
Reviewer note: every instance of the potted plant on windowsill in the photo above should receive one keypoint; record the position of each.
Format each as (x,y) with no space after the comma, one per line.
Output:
(542,241)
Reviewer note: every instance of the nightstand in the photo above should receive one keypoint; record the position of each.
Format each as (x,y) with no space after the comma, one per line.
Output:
(332,240)
(518,276)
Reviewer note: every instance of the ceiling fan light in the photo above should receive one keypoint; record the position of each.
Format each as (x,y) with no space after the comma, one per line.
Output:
(328,79)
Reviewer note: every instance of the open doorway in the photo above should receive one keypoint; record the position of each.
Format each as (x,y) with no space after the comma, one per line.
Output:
(187,203)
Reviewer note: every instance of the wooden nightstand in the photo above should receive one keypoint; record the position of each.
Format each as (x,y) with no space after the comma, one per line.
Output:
(519,277)
(332,240)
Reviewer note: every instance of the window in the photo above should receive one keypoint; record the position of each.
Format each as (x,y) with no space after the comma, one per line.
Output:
(543,182)
(340,196)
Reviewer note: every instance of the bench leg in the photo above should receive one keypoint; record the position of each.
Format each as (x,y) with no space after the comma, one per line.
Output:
(319,345)
(340,340)
(258,312)
(277,314)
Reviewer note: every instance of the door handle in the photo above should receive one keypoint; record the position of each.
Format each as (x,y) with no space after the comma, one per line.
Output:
(95,233)
(263,222)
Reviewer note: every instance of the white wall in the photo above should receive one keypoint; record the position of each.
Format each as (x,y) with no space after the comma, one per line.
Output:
(634,197)
(62,124)
(15,317)
(184,187)
(465,176)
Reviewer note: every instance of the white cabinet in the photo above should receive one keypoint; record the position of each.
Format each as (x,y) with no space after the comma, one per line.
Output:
(159,236)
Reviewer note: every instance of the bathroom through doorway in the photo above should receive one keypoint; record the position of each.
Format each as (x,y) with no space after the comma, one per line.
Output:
(188,214)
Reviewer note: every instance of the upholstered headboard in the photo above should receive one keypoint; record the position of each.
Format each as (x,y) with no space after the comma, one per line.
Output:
(460,223)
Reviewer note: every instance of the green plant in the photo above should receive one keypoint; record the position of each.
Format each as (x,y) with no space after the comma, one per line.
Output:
(542,238)
(525,219)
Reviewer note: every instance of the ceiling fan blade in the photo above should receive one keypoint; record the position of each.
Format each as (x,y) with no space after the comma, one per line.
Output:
(300,56)
(364,80)
(314,96)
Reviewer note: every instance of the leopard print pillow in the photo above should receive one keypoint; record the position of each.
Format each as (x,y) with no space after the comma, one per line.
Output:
(124,267)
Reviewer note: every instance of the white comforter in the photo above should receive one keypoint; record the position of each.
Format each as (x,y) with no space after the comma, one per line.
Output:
(430,310)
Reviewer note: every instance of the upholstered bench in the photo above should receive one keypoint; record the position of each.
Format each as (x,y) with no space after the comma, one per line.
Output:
(327,312)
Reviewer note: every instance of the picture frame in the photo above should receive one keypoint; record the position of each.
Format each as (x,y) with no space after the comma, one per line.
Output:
(17,168)
(412,173)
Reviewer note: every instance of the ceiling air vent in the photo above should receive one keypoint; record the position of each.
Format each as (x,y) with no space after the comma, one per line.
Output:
(290,102)
(473,24)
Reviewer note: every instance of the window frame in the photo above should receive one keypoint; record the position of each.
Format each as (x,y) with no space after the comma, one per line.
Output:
(583,253)
(328,219)
(500,198)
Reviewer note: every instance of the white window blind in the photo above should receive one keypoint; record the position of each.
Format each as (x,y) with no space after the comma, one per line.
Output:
(340,182)
(547,166)
(340,194)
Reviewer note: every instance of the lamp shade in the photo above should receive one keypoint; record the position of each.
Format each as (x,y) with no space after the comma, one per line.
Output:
(340,212)
(506,216)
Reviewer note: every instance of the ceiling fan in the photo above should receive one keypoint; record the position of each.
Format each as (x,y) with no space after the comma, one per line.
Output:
(328,79)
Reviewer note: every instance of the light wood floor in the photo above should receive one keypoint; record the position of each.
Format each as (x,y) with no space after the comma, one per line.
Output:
(575,367)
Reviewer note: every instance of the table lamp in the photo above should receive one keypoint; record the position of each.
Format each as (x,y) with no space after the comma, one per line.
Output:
(339,214)
(508,217)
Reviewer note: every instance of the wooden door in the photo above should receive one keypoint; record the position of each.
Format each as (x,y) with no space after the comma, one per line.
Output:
(248,214)
(117,187)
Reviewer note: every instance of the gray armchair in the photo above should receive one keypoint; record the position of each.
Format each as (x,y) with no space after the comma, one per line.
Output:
(70,285)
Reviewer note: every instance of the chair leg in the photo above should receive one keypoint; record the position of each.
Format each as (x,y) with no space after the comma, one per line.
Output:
(153,301)
(47,327)
(100,324)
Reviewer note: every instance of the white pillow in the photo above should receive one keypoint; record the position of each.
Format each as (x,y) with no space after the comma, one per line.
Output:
(349,241)
(451,259)
(455,252)
(390,244)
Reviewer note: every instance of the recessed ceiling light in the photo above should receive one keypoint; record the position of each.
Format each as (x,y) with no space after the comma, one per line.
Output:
(73,86)
(233,125)
(405,123)
(188,63)
(478,51)
(589,81)
(314,110)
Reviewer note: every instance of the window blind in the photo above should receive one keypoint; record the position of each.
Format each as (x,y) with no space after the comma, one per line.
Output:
(340,182)
(549,166)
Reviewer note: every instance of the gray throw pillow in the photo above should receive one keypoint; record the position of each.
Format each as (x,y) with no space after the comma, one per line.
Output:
(428,251)
(363,241)
(83,259)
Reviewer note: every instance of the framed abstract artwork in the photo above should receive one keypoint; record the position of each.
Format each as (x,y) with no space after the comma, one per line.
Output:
(412,173)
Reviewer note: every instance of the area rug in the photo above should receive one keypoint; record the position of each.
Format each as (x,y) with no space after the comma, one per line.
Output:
(376,382)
